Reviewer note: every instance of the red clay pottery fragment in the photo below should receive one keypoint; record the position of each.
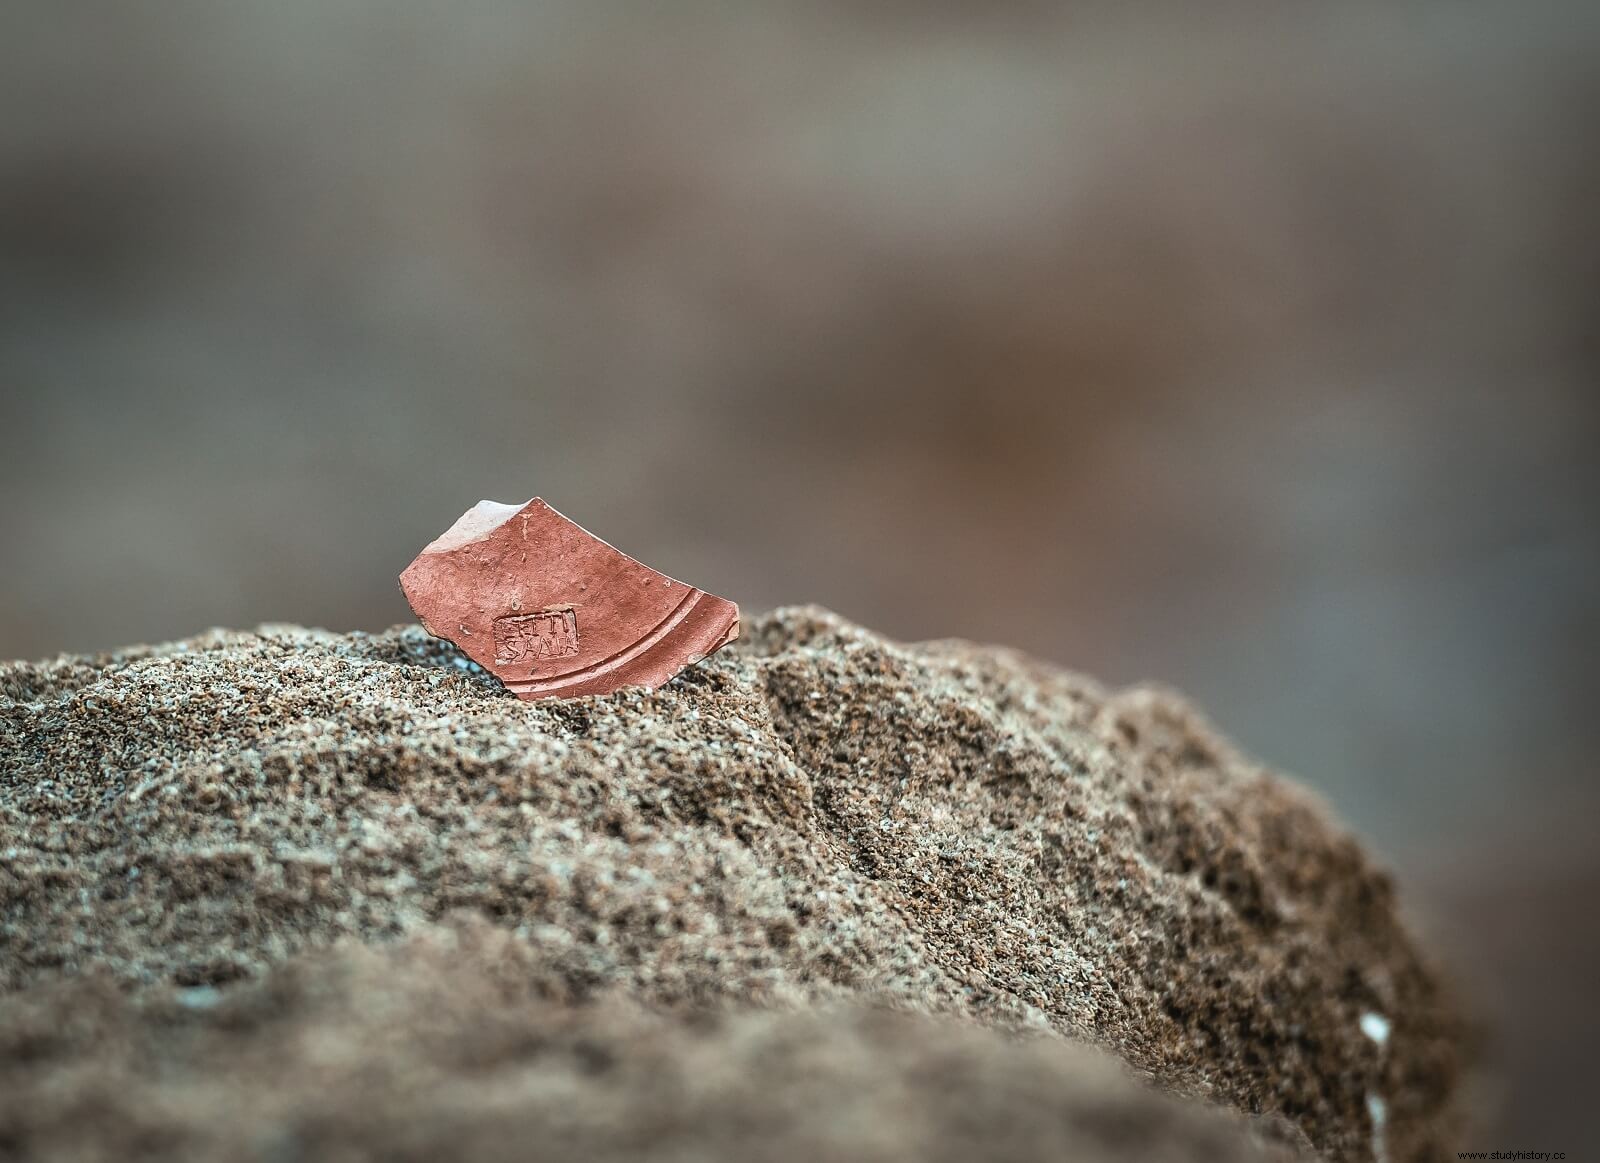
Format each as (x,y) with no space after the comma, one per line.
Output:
(555,612)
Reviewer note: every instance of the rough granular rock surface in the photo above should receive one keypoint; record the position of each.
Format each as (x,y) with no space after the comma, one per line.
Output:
(814,817)
(438,1047)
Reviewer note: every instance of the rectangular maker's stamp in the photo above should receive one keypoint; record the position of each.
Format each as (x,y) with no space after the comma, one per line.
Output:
(530,638)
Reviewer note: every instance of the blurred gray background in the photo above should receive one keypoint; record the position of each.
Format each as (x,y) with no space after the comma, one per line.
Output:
(1252,349)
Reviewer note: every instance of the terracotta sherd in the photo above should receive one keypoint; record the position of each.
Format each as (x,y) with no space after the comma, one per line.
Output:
(555,612)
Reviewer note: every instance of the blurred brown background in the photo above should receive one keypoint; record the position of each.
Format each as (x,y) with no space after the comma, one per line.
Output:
(1252,349)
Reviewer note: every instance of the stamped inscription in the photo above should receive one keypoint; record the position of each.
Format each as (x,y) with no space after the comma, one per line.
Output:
(532,638)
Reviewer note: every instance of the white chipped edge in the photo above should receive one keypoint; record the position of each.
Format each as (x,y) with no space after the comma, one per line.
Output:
(474,525)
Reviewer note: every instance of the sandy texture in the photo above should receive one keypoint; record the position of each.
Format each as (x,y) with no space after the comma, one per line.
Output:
(438,1049)
(812,816)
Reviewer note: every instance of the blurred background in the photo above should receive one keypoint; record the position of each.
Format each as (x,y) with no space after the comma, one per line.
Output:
(1251,348)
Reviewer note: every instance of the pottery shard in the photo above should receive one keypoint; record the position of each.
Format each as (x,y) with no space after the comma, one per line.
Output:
(555,612)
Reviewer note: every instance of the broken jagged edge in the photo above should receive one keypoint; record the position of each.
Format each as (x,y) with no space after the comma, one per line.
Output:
(553,611)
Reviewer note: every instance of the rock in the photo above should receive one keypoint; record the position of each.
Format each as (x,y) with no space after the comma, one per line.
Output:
(438,1049)
(813,817)
(554,611)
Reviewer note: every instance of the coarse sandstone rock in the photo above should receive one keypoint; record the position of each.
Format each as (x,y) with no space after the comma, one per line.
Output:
(813,818)
(440,1047)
